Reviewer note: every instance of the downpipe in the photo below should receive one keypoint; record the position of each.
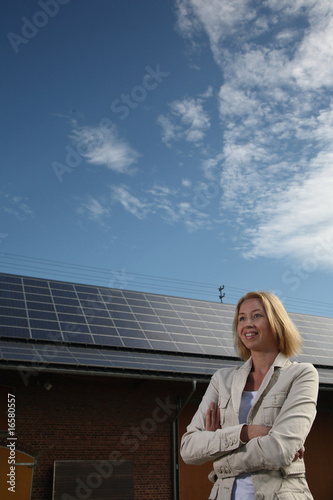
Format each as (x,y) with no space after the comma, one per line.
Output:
(175,444)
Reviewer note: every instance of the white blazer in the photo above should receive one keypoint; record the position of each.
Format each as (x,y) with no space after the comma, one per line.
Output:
(286,402)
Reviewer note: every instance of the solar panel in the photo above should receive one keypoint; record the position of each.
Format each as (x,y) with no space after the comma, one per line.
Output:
(10,331)
(9,302)
(103,330)
(68,314)
(108,340)
(9,278)
(73,356)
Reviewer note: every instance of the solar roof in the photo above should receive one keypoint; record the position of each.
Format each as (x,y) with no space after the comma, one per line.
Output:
(53,323)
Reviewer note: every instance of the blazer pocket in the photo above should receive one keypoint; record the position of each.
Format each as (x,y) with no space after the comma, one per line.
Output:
(272,405)
(293,495)
(223,404)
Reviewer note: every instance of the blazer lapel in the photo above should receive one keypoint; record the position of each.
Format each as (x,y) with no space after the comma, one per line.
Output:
(238,384)
(270,379)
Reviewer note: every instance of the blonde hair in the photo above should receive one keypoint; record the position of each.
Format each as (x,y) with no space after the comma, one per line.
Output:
(287,336)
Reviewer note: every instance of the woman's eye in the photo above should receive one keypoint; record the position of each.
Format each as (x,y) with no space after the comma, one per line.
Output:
(241,319)
(258,315)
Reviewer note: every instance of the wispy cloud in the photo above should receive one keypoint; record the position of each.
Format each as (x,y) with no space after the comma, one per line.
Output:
(312,65)
(296,221)
(275,165)
(132,204)
(193,218)
(173,206)
(95,210)
(163,202)
(218,19)
(186,120)
(17,206)
(103,146)
(176,206)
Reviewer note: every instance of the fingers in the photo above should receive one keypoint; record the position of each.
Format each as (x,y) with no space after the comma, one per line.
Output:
(212,421)
(299,454)
(208,422)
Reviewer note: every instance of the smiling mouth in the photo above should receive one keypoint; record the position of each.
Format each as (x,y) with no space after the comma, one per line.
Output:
(250,335)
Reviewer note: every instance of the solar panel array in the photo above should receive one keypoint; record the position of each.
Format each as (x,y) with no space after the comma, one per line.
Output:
(53,322)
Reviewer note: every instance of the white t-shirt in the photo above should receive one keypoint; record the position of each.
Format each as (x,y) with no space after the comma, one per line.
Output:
(243,486)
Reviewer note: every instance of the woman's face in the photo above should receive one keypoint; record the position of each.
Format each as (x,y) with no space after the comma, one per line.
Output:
(253,327)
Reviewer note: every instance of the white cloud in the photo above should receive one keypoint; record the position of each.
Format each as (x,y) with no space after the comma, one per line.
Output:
(218,19)
(208,93)
(187,183)
(187,120)
(303,54)
(313,62)
(285,209)
(17,206)
(95,210)
(130,203)
(297,220)
(236,102)
(102,146)
(193,218)
(290,8)
(170,131)
(191,113)
(175,206)
(210,166)
(170,205)
(163,202)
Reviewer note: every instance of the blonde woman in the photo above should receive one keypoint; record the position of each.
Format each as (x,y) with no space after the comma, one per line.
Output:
(254,419)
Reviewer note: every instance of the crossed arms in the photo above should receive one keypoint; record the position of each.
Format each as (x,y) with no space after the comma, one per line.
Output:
(244,448)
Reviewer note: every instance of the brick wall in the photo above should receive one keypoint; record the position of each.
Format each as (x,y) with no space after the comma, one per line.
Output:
(98,418)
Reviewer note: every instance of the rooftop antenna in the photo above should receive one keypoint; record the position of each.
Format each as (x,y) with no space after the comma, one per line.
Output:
(221,294)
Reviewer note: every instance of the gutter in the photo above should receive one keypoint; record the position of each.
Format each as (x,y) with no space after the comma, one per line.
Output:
(108,372)
(175,444)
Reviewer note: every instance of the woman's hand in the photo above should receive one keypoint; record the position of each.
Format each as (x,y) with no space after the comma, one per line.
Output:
(213,418)
(299,454)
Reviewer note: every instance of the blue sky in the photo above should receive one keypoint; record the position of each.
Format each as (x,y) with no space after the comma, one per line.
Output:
(189,140)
